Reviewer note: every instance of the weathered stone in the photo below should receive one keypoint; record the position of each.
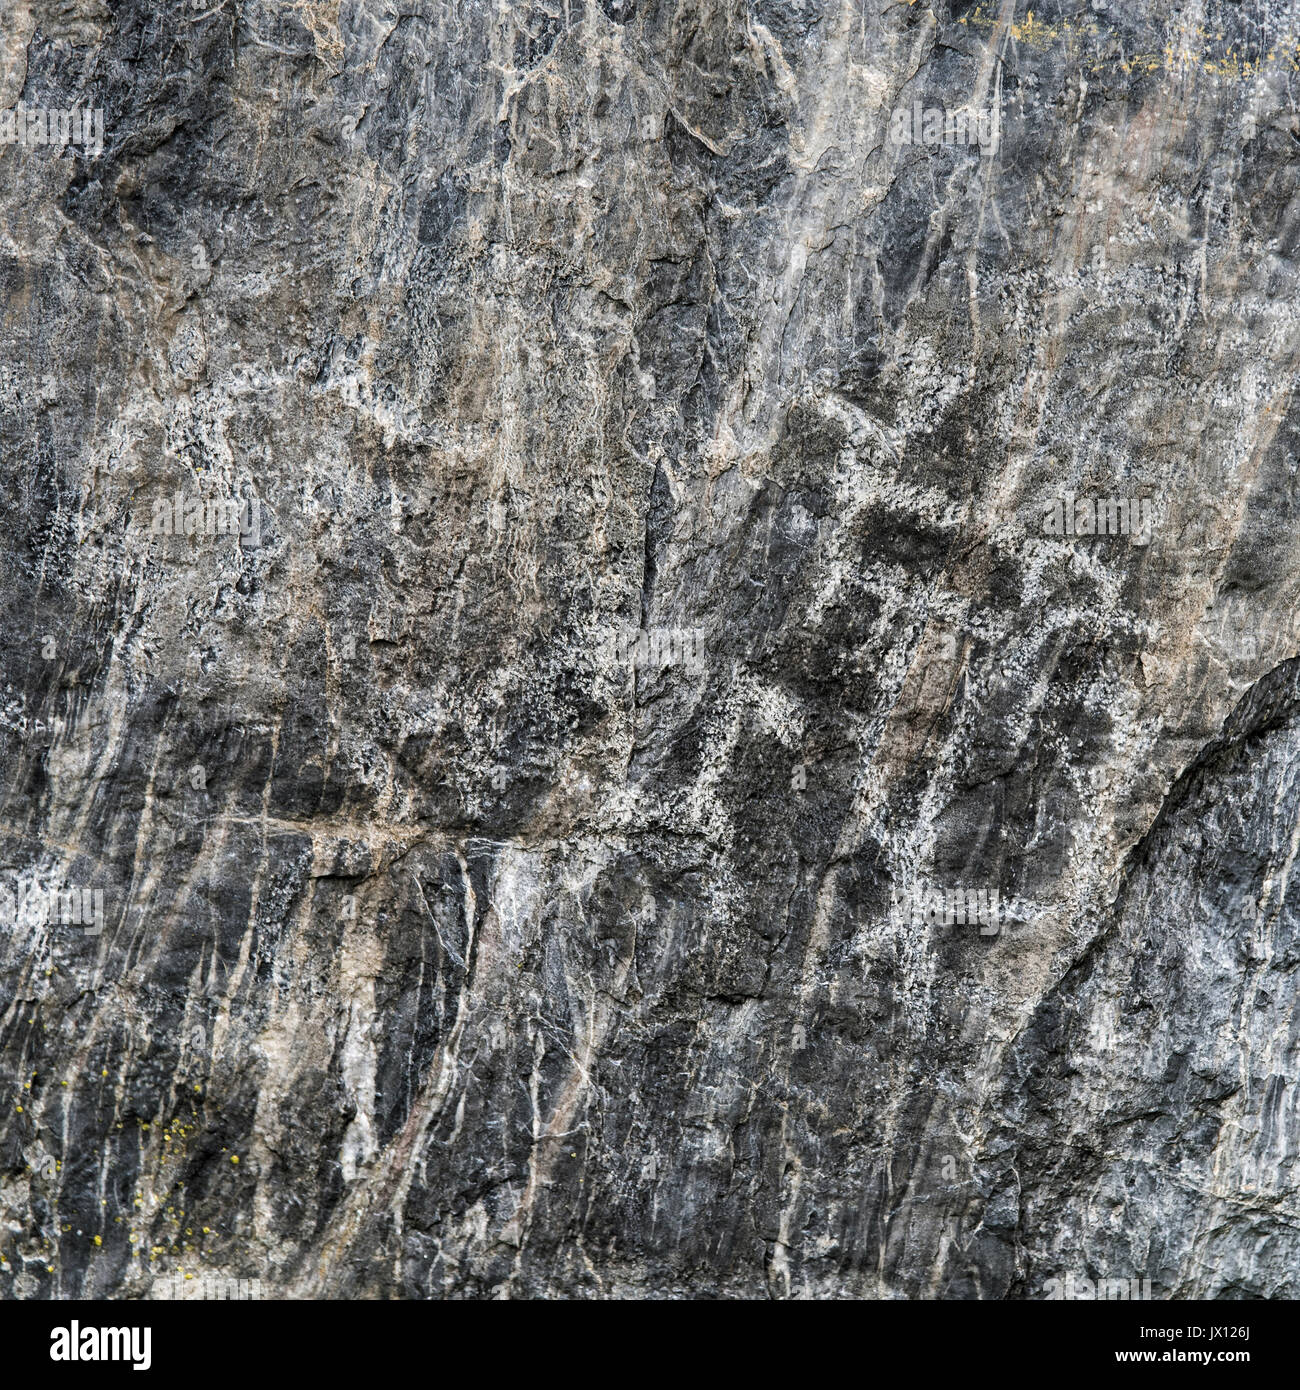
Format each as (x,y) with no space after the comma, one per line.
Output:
(670,546)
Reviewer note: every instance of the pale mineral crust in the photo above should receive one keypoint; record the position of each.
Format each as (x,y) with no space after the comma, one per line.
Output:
(528,835)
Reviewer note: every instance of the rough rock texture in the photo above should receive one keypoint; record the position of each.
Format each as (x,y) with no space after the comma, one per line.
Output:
(508,961)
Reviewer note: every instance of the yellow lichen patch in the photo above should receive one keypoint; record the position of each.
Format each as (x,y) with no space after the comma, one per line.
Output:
(1190,49)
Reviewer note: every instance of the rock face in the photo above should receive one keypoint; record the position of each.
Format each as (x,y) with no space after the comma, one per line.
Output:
(648,649)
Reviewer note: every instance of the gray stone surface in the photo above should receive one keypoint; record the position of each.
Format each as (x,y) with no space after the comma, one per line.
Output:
(455,941)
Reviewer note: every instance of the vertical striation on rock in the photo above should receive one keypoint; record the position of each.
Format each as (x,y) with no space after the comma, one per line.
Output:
(649,650)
